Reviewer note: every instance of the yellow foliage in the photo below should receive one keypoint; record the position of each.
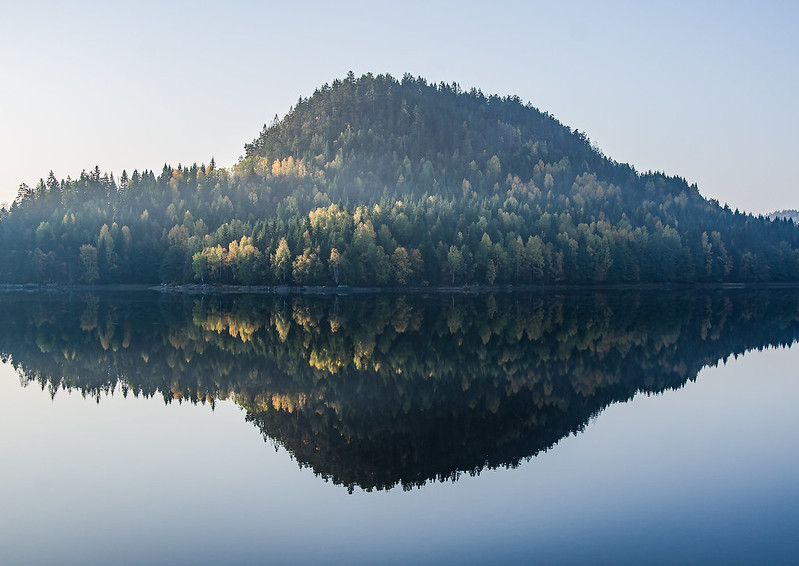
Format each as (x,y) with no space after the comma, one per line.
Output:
(282,325)
(283,402)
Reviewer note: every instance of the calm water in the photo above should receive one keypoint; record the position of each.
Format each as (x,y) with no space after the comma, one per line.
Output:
(604,428)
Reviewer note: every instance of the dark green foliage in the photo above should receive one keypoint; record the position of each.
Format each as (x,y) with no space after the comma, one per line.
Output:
(375,181)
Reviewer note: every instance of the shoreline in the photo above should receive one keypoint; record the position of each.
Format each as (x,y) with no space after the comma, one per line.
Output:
(207,289)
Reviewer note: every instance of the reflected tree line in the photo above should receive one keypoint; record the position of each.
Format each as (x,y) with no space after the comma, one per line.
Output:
(377,391)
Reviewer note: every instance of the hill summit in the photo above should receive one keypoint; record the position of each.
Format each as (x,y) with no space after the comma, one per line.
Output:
(382,182)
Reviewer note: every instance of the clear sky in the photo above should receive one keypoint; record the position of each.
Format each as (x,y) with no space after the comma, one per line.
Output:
(704,90)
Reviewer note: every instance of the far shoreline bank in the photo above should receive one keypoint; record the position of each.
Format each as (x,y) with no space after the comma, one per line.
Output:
(207,289)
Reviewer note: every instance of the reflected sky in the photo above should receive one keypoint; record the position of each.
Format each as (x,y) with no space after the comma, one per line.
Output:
(703,474)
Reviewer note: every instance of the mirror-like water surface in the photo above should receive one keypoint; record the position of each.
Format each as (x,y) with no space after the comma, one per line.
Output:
(616,427)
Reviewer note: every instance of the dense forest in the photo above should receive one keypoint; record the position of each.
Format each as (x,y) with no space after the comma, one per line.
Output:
(375,181)
(381,390)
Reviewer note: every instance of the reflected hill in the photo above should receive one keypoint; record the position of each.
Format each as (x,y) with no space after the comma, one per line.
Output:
(377,391)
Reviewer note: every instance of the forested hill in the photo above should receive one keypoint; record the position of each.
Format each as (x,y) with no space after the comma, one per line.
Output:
(376,181)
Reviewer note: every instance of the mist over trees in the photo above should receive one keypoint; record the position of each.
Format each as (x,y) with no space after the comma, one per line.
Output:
(791,214)
(374,181)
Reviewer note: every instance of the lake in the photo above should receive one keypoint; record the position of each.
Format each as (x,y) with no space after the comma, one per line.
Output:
(621,427)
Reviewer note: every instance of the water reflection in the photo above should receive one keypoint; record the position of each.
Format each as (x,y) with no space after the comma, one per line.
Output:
(380,391)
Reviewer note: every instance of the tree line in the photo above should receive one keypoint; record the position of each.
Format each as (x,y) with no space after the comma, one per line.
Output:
(375,181)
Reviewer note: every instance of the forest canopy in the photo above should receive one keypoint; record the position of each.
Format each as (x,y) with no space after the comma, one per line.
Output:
(375,181)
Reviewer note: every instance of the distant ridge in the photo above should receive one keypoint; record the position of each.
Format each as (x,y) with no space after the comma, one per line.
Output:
(791,214)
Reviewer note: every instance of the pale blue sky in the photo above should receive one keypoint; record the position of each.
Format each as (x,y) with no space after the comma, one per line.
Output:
(705,90)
